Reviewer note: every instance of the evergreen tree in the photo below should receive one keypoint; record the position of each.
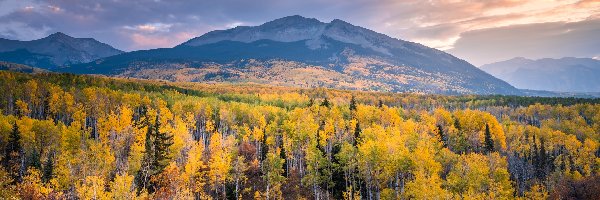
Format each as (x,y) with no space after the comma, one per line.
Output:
(319,147)
(442,135)
(352,104)
(457,124)
(35,160)
(284,157)
(161,143)
(339,182)
(156,154)
(356,134)
(325,103)
(489,143)
(264,148)
(48,168)
(13,157)
(380,104)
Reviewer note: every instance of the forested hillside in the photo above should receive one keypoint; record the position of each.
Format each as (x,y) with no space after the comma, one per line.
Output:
(88,137)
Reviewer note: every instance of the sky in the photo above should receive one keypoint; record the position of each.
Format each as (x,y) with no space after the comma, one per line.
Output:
(478,31)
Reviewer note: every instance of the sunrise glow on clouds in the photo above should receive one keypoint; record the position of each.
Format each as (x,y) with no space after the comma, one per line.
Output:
(133,25)
(446,20)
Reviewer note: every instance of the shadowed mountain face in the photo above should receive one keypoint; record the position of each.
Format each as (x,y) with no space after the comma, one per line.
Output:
(55,50)
(298,51)
(563,75)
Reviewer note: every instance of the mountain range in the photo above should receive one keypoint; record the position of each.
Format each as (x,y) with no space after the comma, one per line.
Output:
(549,74)
(57,49)
(290,51)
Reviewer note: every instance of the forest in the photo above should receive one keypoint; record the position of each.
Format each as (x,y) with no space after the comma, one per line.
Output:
(65,136)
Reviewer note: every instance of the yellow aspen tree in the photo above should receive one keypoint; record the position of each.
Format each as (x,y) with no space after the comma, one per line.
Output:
(92,188)
(194,170)
(23,108)
(220,162)
(122,187)
(426,183)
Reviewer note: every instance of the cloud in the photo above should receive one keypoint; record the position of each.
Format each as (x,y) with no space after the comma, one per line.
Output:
(439,23)
(7,7)
(151,28)
(541,40)
(435,23)
(55,9)
(151,41)
(21,31)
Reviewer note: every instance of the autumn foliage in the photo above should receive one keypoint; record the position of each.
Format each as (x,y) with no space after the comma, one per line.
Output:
(86,137)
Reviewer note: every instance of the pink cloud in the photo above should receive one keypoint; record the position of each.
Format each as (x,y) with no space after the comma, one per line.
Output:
(150,41)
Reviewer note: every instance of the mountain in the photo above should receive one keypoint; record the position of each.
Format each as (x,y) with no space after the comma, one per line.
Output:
(305,52)
(54,50)
(563,75)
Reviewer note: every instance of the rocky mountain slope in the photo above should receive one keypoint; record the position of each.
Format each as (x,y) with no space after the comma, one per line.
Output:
(563,75)
(298,51)
(54,50)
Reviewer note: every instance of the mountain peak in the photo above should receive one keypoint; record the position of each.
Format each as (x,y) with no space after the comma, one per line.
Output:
(294,17)
(293,20)
(58,49)
(339,21)
(59,35)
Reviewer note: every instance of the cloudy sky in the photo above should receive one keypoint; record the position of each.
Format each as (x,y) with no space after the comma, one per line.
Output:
(477,31)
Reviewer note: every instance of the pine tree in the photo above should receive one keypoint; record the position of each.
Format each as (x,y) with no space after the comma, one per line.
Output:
(284,157)
(156,154)
(48,168)
(35,160)
(339,183)
(356,133)
(457,124)
(325,103)
(352,104)
(13,158)
(264,148)
(319,147)
(489,143)
(442,135)
(161,143)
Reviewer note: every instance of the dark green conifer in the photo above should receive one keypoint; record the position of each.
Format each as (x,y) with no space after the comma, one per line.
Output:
(489,143)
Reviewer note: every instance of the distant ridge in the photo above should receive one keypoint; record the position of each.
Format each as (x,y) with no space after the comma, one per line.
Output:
(562,75)
(55,50)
